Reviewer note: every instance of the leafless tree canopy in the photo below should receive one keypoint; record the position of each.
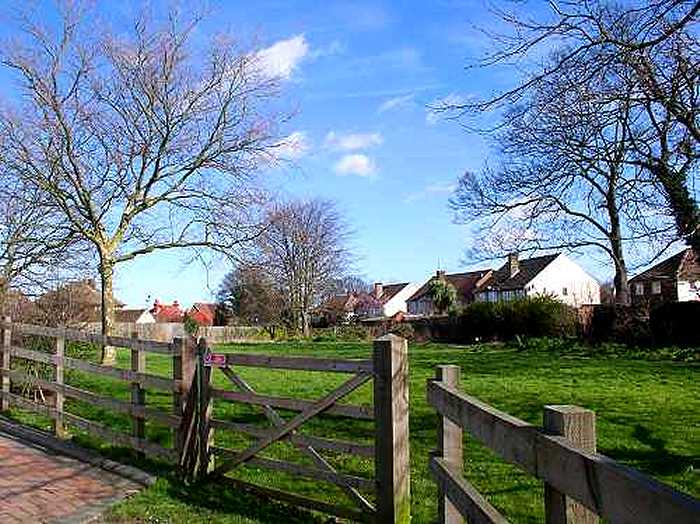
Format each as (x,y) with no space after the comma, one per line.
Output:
(647,53)
(305,250)
(139,139)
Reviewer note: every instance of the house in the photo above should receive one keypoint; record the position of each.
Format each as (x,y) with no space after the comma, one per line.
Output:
(135,316)
(385,300)
(203,313)
(466,284)
(338,309)
(163,313)
(74,302)
(554,275)
(676,279)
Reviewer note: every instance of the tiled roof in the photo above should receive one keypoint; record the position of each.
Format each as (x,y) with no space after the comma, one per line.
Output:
(528,269)
(671,267)
(204,313)
(167,312)
(389,291)
(129,315)
(465,283)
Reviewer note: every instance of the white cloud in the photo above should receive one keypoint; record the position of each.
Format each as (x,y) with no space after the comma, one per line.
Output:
(440,107)
(356,164)
(282,58)
(352,141)
(335,47)
(437,188)
(396,102)
(294,146)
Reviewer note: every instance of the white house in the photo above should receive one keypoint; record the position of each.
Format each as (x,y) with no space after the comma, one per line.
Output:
(553,275)
(391,298)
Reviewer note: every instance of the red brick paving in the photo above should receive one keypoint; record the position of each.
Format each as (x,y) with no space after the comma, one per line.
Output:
(36,486)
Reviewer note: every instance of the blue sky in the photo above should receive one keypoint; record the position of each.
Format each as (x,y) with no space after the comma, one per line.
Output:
(359,77)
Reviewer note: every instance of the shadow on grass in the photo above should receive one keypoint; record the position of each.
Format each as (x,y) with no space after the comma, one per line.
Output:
(212,496)
(655,461)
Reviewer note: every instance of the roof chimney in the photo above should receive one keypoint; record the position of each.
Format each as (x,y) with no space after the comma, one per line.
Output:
(440,274)
(513,264)
(378,290)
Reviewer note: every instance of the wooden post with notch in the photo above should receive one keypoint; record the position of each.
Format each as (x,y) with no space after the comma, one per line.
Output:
(449,446)
(58,426)
(577,425)
(206,432)
(391,406)
(5,364)
(138,394)
(184,363)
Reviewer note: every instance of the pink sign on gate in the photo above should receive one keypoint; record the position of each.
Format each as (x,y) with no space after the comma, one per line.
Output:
(216,360)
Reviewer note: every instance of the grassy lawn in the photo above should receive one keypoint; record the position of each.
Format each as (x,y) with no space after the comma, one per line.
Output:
(648,416)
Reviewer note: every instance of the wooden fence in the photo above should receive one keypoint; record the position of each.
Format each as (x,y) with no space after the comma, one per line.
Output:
(136,376)
(388,369)
(580,484)
(192,424)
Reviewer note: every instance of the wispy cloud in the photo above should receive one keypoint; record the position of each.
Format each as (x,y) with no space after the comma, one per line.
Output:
(397,102)
(357,164)
(437,188)
(352,141)
(282,58)
(440,107)
(293,146)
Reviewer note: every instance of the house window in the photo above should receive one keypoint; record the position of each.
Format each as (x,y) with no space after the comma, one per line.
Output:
(639,288)
(564,291)
(656,288)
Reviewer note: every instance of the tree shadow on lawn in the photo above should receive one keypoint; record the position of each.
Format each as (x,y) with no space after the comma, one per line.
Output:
(656,461)
(213,495)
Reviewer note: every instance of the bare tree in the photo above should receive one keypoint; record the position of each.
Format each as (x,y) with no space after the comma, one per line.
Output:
(143,141)
(305,249)
(565,177)
(37,246)
(649,52)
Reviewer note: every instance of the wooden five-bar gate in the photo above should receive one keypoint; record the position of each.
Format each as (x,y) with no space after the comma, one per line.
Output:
(580,484)
(383,498)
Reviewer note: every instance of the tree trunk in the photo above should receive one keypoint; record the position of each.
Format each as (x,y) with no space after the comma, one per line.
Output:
(622,288)
(109,353)
(305,324)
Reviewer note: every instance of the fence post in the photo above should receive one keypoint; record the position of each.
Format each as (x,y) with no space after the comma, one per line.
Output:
(449,446)
(58,426)
(5,364)
(184,362)
(577,425)
(138,394)
(206,432)
(391,406)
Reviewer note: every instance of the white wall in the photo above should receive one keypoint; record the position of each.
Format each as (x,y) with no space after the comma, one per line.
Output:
(688,291)
(398,301)
(563,273)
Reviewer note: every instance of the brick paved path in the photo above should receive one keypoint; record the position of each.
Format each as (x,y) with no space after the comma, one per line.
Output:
(39,486)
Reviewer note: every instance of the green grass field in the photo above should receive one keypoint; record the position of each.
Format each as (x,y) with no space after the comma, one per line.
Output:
(648,417)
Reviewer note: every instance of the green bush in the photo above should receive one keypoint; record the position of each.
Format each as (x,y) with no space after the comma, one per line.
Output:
(539,316)
(404,330)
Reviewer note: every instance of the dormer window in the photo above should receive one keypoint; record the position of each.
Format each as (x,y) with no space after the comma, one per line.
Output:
(655,288)
(639,288)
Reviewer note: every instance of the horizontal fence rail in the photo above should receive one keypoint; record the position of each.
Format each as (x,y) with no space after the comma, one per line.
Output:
(609,489)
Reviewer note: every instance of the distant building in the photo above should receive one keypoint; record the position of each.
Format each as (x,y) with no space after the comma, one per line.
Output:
(204,313)
(135,316)
(676,279)
(163,313)
(554,275)
(385,300)
(466,284)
